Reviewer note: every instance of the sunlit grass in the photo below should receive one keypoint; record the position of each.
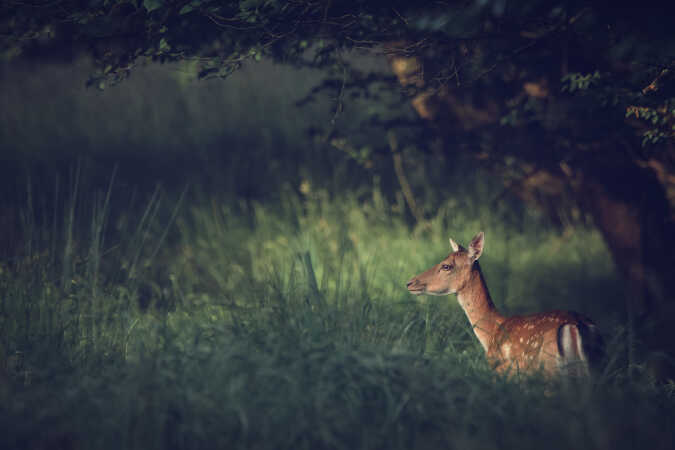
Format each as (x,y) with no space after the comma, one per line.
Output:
(249,325)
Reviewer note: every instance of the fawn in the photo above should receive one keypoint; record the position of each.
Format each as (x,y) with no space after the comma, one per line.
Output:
(557,342)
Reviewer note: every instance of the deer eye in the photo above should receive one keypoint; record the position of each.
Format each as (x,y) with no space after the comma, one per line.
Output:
(446,267)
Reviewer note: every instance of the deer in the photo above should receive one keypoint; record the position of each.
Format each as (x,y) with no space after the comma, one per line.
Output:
(554,343)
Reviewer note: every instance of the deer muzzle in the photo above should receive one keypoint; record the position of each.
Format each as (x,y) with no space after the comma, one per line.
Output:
(415,286)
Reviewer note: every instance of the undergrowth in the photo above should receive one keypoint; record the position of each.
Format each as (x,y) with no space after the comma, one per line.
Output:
(203,323)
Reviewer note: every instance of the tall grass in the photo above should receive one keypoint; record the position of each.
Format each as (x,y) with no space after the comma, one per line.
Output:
(248,325)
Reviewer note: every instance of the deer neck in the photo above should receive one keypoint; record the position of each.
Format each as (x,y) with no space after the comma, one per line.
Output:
(477,304)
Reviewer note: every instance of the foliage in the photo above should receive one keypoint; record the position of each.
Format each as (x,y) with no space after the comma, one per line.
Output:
(242,324)
(491,46)
(288,325)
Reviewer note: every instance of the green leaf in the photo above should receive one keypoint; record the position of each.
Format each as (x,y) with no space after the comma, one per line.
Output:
(164,45)
(152,5)
(186,9)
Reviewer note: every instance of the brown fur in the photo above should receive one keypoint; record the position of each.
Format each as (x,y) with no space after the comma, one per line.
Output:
(555,342)
(533,342)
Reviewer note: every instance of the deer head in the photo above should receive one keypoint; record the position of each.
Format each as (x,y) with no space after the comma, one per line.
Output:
(452,274)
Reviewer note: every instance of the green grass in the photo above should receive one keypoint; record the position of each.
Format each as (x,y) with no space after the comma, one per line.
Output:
(203,323)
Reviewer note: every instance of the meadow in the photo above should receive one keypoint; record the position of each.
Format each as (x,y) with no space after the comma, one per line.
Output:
(192,317)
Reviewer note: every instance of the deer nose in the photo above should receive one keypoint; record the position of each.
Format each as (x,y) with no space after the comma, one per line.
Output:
(411,282)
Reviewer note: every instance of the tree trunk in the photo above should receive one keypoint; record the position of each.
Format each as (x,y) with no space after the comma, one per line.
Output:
(630,208)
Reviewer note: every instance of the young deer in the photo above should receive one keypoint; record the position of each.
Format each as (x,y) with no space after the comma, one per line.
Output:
(556,342)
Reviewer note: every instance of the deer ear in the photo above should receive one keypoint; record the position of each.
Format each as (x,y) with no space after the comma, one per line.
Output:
(453,245)
(476,246)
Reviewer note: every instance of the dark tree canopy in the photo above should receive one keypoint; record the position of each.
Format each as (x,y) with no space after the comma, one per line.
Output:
(573,78)
(568,101)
